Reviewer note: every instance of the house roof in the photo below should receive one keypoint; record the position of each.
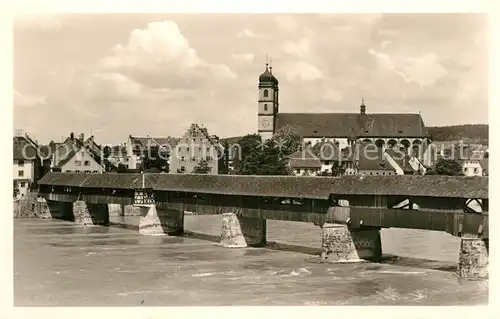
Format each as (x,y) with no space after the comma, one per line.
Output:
(303,159)
(25,149)
(329,151)
(402,159)
(76,145)
(348,124)
(371,158)
(153,141)
(230,140)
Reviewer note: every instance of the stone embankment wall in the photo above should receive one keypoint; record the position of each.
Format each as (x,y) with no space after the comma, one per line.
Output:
(31,206)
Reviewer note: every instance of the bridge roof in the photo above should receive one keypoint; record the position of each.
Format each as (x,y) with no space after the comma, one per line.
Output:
(322,187)
(282,186)
(107,180)
(63,179)
(114,180)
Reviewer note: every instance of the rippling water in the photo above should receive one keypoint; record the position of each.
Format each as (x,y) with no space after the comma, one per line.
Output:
(57,263)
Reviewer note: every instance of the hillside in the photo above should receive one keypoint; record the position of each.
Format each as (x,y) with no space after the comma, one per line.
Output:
(473,133)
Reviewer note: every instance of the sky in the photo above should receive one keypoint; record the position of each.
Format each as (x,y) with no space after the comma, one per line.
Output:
(117,75)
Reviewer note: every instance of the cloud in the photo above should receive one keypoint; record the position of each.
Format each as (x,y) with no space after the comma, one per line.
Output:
(157,78)
(246,57)
(286,22)
(21,100)
(302,71)
(301,47)
(425,69)
(247,33)
(331,95)
(46,22)
(160,56)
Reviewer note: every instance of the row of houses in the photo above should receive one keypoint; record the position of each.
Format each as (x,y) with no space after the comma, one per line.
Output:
(365,158)
(196,145)
(32,161)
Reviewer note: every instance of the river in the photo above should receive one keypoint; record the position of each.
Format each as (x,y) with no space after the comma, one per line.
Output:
(57,263)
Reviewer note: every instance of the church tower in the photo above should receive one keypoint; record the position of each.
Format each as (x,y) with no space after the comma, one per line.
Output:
(268,103)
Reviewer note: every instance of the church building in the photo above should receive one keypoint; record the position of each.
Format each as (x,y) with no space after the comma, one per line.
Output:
(385,130)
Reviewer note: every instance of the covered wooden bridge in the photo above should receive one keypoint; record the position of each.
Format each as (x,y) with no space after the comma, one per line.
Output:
(364,204)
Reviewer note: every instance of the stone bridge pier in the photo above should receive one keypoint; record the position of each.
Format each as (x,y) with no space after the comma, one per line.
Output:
(340,243)
(239,231)
(473,258)
(158,220)
(89,214)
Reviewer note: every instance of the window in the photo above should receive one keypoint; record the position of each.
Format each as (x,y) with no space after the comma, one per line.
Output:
(193,159)
(199,149)
(298,170)
(265,107)
(87,171)
(183,169)
(20,173)
(266,93)
(476,170)
(179,149)
(209,158)
(78,163)
(187,149)
(20,163)
(78,171)
(86,163)
(183,158)
(208,149)
(22,184)
(209,169)
(96,171)
(68,171)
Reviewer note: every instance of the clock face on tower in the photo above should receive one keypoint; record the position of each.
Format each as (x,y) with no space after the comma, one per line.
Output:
(265,123)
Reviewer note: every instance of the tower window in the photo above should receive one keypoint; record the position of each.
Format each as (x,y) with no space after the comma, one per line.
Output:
(265,107)
(266,93)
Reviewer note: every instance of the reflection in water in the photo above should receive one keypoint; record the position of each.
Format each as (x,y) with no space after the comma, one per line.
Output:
(60,264)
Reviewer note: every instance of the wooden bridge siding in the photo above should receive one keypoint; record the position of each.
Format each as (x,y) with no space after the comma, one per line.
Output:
(264,213)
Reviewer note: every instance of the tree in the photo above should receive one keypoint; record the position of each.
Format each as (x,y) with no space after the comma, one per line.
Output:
(267,159)
(448,167)
(155,158)
(288,140)
(243,148)
(202,168)
(223,162)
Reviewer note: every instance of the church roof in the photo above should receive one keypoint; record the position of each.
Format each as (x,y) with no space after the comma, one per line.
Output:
(268,76)
(346,124)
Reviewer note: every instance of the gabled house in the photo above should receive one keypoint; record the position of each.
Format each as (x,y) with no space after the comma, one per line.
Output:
(194,146)
(28,165)
(403,163)
(470,160)
(368,159)
(138,148)
(304,163)
(77,155)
